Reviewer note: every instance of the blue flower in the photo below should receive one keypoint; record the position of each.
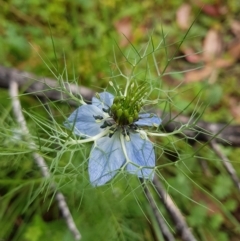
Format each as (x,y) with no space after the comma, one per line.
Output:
(119,141)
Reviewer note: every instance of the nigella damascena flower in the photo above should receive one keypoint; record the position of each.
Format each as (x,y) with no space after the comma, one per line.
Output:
(120,142)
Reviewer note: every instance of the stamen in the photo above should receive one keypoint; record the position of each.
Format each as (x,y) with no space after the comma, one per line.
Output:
(133,127)
(127,138)
(97,117)
(106,124)
(106,110)
(143,134)
(125,133)
(112,131)
(98,96)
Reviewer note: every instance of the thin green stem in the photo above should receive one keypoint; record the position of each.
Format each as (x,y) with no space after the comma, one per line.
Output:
(90,139)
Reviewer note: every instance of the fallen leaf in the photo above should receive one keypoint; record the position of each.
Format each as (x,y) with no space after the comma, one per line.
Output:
(209,71)
(197,75)
(224,62)
(212,45)
(234,105)
(234,50)
(183,16)
(124,28)
(191,56)
(235,28)
(211,9)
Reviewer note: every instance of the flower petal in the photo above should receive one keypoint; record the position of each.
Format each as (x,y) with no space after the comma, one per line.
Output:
(105,101)
(83,121)
(106,159)
(140,151)
(147,119)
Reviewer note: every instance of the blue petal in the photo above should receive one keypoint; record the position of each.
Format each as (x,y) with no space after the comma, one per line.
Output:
(105,101)
(106,159)
(140,151)
(147,119)
(82,121)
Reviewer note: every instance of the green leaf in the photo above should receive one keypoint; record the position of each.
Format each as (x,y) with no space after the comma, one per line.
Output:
(222,186)
(198,216)
(34,230)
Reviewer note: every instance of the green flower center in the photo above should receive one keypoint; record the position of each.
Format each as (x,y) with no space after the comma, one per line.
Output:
(125,109)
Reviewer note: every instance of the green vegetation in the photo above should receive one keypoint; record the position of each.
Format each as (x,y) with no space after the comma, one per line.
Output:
(82,41)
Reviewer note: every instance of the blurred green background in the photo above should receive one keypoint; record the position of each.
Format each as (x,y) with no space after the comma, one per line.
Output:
(84,35)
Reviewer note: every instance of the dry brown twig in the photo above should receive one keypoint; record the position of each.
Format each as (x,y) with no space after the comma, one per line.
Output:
(226,163)
(180,223)
(41,86)
(39,160)
(48,88)
(168,236)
